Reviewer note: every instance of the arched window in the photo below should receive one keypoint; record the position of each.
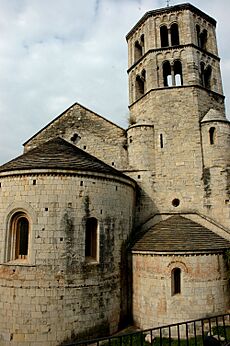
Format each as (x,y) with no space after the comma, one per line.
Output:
(202,73)
(167,74)
(176,281)
(198,35)
(19,237)
(137,51)
(203,39)
(143,43)
(207,77)
(178,73)
(164,36)
(212,135)
(91,239)
(140,84)
(174,34)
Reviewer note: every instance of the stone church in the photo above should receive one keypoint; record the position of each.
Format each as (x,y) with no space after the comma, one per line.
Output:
(102,226)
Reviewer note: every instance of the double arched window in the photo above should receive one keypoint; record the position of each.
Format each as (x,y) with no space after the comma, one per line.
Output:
(18,248)
(169,37)
(172,74)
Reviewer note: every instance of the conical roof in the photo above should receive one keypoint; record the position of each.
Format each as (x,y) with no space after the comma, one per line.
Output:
(179,234)
(214,115)
(59,154)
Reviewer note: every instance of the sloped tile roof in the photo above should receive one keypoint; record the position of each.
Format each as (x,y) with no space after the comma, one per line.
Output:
(179,234)
(59,154)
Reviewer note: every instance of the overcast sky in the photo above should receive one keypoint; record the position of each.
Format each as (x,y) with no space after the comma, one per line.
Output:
(54,53)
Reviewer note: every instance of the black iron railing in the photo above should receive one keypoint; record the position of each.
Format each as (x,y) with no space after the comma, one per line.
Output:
(209,331)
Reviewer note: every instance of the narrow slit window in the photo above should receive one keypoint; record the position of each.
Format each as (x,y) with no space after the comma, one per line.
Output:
(212,135)
(176,281)
(198,35)
(91,242)
(143,43)
(161,141)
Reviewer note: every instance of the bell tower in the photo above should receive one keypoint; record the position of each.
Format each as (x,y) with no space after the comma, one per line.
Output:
(174,81)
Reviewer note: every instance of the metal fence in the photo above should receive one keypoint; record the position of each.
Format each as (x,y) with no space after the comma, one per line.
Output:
(209,331)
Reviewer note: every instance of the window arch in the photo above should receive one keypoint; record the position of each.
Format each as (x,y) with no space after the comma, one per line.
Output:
(175,41)
(164,36)
(176,281)
(212,135)
(178,73)
(137,51)
(205,75)
(167,73)
(91,239)
(143,43)
(140,84)
(19,237)
(198,35)
(202,37)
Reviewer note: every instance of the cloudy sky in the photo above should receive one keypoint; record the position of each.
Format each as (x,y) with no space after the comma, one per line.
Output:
(54,53)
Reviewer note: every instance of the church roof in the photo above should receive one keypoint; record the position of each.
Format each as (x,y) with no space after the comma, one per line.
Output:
(179,234)
(214,115)
(59,117)
(59,154)
(169,9)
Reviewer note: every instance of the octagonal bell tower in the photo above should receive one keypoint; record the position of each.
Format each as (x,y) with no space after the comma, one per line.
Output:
(174,81)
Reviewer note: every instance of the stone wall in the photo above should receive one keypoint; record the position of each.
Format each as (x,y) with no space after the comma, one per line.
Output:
(56,294)
(204,288)
(88,131)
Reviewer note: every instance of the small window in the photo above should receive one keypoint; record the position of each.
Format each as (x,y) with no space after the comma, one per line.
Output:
(140,84)
(164,36)
(19,237)
(198,35)
(207,77)
(175,41)
(137,51)
(143,43)
(167,74)
(203,39)
(75,138)
(161,141)
(178,73)
(91,239)
(176,281)
(212,135)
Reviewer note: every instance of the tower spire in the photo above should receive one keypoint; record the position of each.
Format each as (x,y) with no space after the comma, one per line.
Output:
(168,2)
